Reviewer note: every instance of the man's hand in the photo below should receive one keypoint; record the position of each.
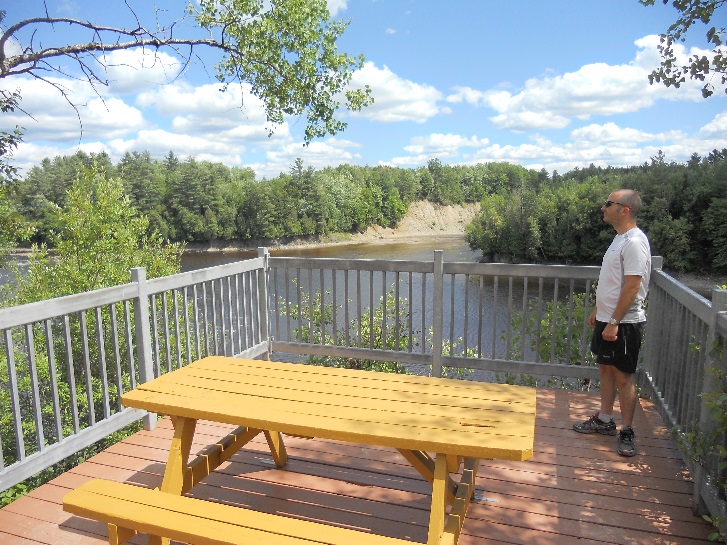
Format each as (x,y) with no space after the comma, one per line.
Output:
(592,319)
(610,332)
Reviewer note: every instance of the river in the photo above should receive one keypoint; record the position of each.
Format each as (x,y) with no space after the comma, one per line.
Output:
(454,248)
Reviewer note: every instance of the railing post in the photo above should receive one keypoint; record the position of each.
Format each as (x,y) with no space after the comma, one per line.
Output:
(143,338)
(701,475)
(652,339)
(437,313)
(264,312)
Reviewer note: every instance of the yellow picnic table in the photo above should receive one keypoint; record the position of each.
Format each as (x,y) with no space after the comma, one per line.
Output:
(438,425)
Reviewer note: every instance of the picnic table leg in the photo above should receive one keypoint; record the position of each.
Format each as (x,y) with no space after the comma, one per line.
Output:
(439,500)
(277,447)
(173,481)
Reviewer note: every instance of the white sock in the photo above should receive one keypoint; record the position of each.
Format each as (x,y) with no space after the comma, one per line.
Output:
(604,417)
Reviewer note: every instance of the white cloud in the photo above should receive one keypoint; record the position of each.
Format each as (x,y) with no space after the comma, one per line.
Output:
(319,154)
(133,70)
(55,118)
(594,89)
(610,132)
(334,6)
(397,99)
(717,128)
(443,145)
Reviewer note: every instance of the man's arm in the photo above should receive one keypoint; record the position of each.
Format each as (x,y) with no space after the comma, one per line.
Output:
(626,298)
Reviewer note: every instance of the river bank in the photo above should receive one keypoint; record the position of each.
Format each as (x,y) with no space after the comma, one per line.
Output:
(423,221)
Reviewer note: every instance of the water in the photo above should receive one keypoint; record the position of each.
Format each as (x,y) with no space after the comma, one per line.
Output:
(454,248)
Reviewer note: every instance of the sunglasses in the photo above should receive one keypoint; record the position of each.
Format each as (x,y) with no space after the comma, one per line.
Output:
(607,204)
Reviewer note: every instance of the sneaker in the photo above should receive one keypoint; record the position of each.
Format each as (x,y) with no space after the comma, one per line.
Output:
(626,445)
(595,425)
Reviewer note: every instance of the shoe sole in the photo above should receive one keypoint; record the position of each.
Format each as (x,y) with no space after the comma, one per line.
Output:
(602,432)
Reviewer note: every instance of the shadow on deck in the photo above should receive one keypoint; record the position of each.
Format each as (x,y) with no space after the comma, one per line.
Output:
(576,489)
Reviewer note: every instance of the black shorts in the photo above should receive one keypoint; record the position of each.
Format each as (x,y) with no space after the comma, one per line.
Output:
(623,353)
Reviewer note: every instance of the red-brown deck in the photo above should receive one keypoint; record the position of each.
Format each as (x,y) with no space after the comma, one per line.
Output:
(576,489)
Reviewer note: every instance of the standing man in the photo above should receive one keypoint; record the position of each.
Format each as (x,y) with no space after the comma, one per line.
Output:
(618,318)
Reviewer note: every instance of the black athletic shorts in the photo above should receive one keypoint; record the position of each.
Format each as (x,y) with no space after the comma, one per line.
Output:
(623,353)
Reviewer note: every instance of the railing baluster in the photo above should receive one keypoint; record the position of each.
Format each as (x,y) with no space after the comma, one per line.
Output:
(14,396)
(71,372)
(53,376)
(334,310)
(87,368)
(129,345)
(495,294)
(117,356)
(103,372)
(156,352)
(195,321)
(345,308)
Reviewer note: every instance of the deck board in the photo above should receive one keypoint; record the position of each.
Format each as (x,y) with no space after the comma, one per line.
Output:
(574,490)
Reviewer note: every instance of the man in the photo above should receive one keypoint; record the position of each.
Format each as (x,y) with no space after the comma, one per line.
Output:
(618,318)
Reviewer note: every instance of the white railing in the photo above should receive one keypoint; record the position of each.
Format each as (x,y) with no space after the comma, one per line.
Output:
(684,358)
(65,362)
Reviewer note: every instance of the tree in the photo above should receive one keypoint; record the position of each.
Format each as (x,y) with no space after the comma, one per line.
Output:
(698,67)
(285,50)
(101,236)
(8,140)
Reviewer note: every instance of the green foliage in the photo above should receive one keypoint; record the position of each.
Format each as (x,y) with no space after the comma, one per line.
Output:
(556,334)
(526,216)
(8,140)
(287,51)
(100,237)
(378,329)
(698,67)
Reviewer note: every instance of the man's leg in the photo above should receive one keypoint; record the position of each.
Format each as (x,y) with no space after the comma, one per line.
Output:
(598,423)
(626,396)
(608,388)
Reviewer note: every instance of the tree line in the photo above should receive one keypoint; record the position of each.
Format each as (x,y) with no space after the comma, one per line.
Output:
(526,215)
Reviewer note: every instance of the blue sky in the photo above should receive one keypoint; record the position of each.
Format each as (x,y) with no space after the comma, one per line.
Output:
(551,84)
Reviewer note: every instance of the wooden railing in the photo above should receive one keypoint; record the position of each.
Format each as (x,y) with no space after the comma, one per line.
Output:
(65,362)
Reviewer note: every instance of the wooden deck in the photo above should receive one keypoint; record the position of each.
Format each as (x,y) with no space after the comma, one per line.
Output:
(575,490)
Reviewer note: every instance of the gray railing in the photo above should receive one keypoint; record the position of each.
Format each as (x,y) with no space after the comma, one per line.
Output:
(488,317)
(64,363)
(684,359)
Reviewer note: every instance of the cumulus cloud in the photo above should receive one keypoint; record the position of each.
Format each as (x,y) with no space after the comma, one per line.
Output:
(610,132)
(133,70)
(397,99)
(336,6)
(319,154)
(717,128)
(443,145)
(594,89)
(52,117)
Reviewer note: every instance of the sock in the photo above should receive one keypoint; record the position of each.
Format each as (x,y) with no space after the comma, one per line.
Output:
(604,417)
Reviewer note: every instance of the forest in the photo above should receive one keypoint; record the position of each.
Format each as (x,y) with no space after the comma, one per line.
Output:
(526,215)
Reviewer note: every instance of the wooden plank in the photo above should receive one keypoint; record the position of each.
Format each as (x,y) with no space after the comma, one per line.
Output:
(459,420)
(250,371)
(463,440)
(480,410)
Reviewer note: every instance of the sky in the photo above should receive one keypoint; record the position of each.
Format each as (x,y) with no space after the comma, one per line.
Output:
(552,85)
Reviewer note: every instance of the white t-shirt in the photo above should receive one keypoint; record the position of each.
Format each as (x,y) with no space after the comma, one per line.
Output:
(629,254)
